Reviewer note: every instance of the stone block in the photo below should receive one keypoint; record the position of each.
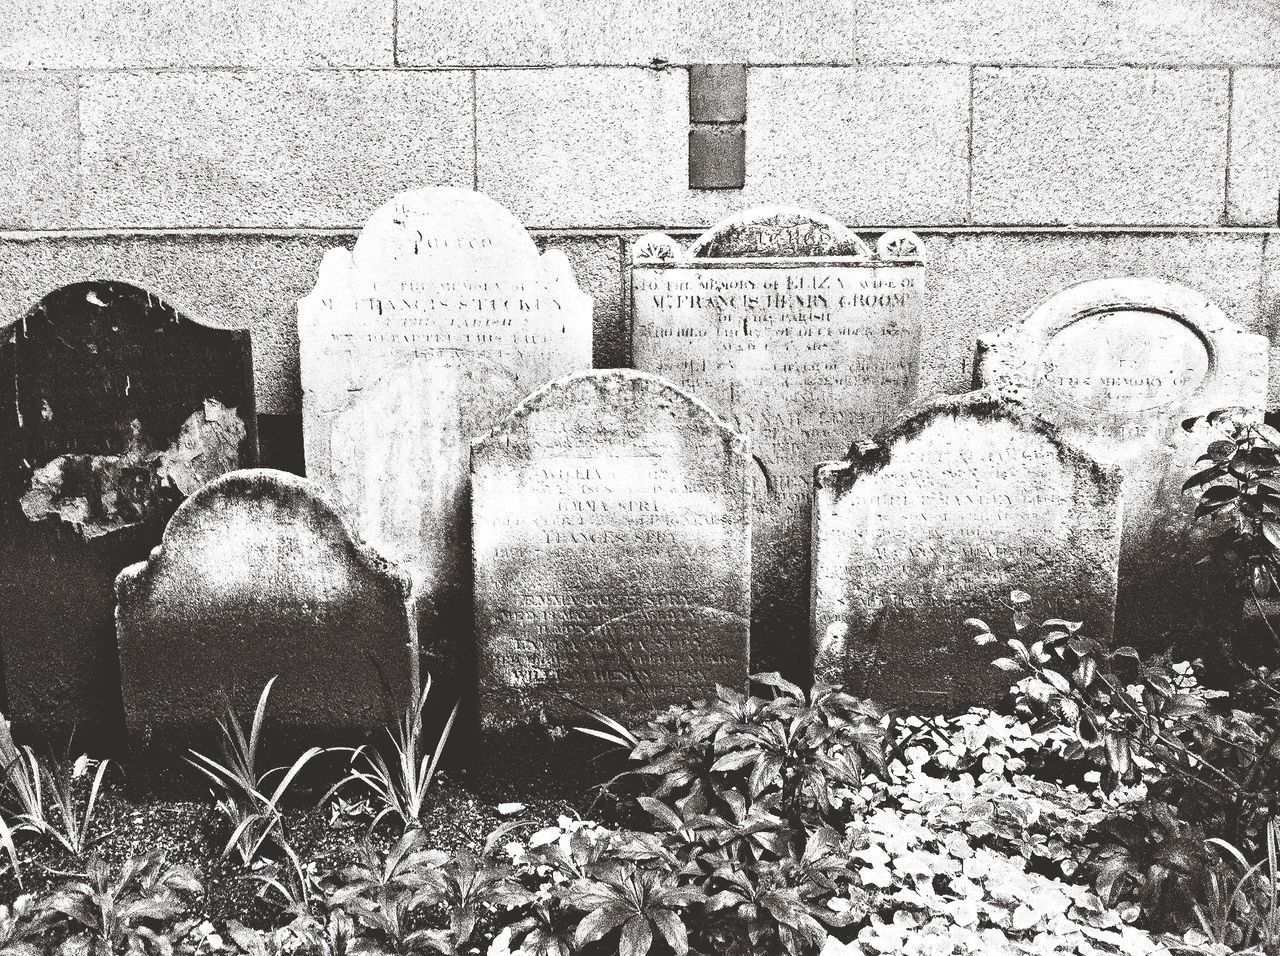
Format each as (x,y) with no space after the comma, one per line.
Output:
(39,126)
(267,149)
(1070,32)
(1253,181)
(1111,146)
(110,34)
(717,157)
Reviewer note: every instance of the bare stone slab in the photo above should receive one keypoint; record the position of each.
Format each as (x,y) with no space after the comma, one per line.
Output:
(113,408)
(611,531)
(258,576)
(962,501)
(792,328)
(438,322)
(1117,365)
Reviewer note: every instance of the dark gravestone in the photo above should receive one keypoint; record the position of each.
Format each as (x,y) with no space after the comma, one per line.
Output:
(258,576)
(113,408)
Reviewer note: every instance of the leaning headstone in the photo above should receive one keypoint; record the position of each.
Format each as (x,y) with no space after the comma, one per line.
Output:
(1117,365)
(113,408)
(258,576)
(611,530)
(797,332)
(941,518)
(436,324)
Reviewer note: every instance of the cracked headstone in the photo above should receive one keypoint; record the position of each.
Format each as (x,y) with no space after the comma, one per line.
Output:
(805,338)
(442,317)
(611,531)
(115,407)
(257,577)
(1118,365)
(941,518)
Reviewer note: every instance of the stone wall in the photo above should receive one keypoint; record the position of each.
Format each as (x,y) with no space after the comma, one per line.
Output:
(212,152)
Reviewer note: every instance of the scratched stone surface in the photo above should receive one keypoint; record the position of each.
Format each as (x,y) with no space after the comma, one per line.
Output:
(257,576)
(611,531)
(939,519)
(806,339)
(1117,365)
(115,407)
(437,323)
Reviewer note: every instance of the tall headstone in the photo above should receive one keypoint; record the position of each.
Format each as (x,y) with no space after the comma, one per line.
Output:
(939,519)
(113,408)
(422,337)
(258,576)
(611,531)
(1117,365)
(797,332)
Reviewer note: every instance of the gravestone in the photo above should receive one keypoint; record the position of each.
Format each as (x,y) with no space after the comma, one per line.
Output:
(1117,365)
(113,408)
(434,326)
(611,531)
(798,333)
(259,576)
(939,519)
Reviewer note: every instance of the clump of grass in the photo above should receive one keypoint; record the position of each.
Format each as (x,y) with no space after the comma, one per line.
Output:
(41,796)
(242,794)
(399,787)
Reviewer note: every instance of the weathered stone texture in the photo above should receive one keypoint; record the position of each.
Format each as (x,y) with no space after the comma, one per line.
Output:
(1117,365)
(1253,183)
(438,322)
(805,352)
(1114,146)
(612,540)
(1070,32)
(561,33)
(865,145)
(39,185)
(100,34)
(961,502)
(258,576)
(596,262)
(114,408)
(266,148)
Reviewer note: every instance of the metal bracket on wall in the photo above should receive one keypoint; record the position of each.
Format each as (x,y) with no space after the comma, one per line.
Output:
(717,121)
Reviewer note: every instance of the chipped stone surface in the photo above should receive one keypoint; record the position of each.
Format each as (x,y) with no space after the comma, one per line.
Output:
(611,532)
(1117,364)
(113,407)
(439,321)
(794,329)
(257,576)
(960,502)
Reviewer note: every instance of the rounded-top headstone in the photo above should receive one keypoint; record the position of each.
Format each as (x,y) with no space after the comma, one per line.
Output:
(257,576)
(1118,364)
(803,336)
(442,317)
(612,541)
(940,518)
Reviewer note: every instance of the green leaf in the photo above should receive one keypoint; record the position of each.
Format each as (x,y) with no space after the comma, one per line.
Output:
(1006,664)
(1222,449)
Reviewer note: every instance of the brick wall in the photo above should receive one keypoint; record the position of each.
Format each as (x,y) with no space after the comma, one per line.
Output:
(212,151)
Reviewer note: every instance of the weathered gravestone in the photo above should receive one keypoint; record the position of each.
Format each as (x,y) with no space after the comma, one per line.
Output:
(258,576)
(439,321)
(939,519)
(113,408)
(1117,365)
(792,328)
(611,530)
